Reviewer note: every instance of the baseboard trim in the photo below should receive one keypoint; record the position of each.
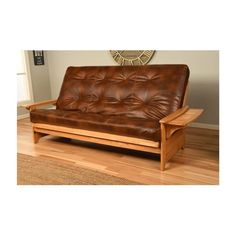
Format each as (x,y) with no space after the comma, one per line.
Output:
(23,116)
(204,126)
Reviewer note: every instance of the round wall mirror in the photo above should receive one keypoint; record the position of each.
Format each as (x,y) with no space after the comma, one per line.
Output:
(132,57)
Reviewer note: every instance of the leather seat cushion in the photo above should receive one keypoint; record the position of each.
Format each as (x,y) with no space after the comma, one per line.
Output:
(115,124)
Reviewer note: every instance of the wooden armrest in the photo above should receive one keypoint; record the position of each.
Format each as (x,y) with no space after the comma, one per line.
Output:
(33,106)
(174,115)
(187,117)
(182,116)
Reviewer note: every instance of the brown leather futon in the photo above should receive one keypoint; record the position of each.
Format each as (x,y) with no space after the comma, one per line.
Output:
(137,107)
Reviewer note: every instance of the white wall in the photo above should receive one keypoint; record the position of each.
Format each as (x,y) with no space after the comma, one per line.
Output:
(203,81)
(40,82)
(40,79)
(58,61)
(204,78)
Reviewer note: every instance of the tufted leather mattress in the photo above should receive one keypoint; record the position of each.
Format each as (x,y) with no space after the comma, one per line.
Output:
(123,100)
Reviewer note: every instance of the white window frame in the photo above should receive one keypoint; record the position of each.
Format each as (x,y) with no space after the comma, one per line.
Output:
(26,54)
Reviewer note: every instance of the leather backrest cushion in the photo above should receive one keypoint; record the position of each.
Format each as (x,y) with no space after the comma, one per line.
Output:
(151,91)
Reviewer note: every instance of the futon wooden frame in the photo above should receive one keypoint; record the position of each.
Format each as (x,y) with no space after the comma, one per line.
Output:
(172,133)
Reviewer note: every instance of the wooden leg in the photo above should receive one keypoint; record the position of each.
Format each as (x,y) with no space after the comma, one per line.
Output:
(163,158)
(163,147)
(184,139)
(37,136)
(170,145)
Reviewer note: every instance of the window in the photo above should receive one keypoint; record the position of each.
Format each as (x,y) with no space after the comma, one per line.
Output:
(24,91)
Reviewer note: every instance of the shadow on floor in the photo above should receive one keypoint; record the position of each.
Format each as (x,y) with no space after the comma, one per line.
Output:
(151,156)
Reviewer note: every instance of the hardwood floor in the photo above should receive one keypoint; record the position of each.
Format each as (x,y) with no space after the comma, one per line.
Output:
(198,163)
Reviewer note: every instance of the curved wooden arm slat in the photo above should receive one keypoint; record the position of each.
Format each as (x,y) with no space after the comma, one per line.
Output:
(179,119)
(174,115)
(189,116)
(33,106)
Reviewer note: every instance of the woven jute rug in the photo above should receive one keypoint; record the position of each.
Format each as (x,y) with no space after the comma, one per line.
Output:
(44,170)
